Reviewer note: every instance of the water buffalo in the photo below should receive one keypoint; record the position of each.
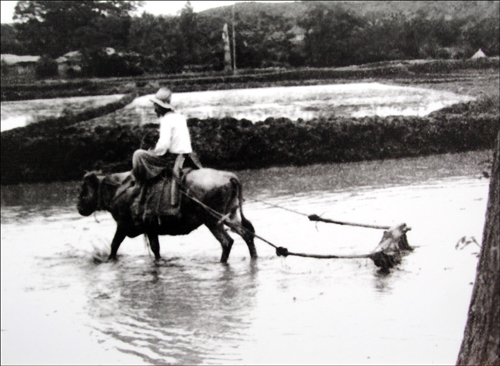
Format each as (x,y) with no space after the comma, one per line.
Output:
(214,190)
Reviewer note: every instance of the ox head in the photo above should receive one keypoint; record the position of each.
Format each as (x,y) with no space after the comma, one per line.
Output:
(88,198)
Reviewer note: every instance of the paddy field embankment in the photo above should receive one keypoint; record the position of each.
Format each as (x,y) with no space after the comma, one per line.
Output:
(64,146)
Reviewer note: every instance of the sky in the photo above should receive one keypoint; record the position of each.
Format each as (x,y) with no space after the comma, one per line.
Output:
(153,7)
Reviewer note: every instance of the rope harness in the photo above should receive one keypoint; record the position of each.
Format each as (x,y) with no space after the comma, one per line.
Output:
(100,201)
(381,259)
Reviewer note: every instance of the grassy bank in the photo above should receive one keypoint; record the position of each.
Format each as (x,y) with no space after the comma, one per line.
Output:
(68,149)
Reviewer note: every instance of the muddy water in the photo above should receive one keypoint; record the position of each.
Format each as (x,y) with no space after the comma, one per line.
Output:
(62,305)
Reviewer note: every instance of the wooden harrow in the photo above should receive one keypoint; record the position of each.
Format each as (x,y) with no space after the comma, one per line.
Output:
(393,245)
(387,254)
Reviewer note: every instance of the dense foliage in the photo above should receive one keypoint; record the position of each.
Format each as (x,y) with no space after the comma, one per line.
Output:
(315,34)
(57,27)
(46,67)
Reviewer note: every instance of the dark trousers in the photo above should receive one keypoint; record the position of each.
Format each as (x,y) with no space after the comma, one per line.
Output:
(147,166)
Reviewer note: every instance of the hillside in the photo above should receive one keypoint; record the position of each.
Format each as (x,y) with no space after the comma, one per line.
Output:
(473,10)
(341,33)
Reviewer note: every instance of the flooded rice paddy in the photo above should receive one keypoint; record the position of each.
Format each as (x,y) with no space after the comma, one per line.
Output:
(21,113)
(307,102)
(61,304)
(257,104)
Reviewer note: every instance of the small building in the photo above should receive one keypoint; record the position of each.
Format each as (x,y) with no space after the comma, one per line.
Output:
(478,54)
(298,35)
(19,65)
(69,64)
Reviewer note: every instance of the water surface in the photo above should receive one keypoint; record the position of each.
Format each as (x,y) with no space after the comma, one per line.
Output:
(62,305)
(306,102)
(16,114)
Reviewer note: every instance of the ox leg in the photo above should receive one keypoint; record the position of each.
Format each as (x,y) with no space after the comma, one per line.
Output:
(117,240)
(224,239)
(154,243)
(245,229)
(248,235)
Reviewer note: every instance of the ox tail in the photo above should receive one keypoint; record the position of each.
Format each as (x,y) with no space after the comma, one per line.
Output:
(147,244)
(238,195)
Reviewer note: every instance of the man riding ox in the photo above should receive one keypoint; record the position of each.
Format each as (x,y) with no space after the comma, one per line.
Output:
(155,169)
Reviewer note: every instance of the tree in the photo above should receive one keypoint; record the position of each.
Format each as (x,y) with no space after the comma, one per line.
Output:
(380,38)
(46,67)
(330,35)
(9,41)
(209,42)
(481,342)
(188,30)
(56,27)
(484,34)
(153,37)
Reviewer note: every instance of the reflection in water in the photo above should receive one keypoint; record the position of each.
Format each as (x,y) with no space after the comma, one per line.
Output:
(381,281)
(181,312)
(57,287)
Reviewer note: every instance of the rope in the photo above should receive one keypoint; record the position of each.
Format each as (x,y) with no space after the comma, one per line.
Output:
(315,217)
(220,217)
(280,251)
(312,217)
(281,207)
(380,258)
(284,252)
(318,218)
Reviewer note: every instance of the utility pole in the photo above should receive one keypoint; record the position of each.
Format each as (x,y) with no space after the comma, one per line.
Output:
(234,44)
(228,64)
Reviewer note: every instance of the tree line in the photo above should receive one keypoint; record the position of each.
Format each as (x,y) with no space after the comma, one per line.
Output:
(318,34)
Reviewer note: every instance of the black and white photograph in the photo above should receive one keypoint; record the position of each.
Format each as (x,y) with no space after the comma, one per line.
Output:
(250,182)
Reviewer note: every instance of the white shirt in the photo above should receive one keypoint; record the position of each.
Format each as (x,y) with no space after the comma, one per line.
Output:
(174,135)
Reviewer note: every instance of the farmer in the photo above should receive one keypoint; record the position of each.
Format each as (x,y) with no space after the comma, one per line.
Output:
(172,147)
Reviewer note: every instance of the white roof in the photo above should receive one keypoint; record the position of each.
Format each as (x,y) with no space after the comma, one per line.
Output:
(73,55)
(479,54)
(15,59)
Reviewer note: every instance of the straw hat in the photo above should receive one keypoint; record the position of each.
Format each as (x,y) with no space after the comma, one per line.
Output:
(162,98)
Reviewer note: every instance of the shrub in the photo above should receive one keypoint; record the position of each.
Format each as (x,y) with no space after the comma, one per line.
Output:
(69,148)
(173,64)
(5,68)
(46,67)
(99,64)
